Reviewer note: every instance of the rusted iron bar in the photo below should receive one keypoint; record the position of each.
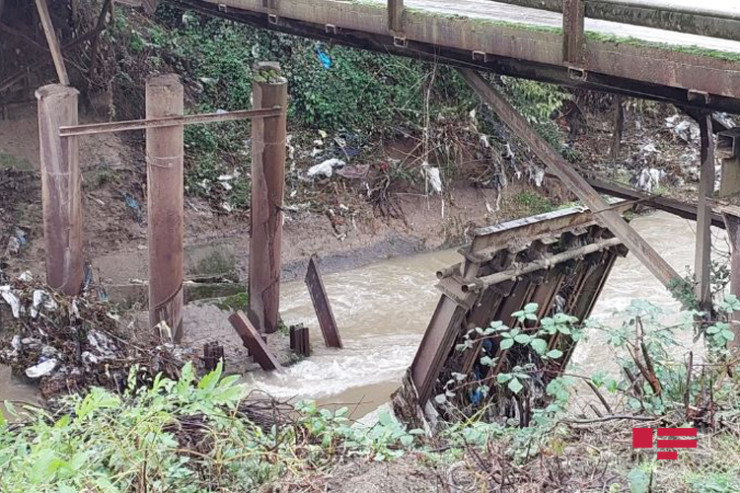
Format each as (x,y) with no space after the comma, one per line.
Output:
(699,19)
(51,39)
(546,263)
(61,188)
(703,252)
(164,155)
(253,341)
(299,340)
(618,128)
(320,300)
(574,36)
(728,149)
(678,208)
(171,121)
(268,185)
(576,183)
(213,353)
(395,16)
(733,236)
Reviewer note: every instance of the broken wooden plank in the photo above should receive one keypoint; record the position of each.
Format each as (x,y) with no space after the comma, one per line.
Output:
(51,39)
(254,343)
(570,177)
(321,304)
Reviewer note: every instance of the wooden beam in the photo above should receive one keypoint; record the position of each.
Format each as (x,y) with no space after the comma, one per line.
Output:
(570,177)
(268,187)
(164,156)
(574,37)
(703,254)
(170,121)
(61,189)
(51,39)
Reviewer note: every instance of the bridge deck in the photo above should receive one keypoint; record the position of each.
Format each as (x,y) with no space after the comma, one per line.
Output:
(682,68)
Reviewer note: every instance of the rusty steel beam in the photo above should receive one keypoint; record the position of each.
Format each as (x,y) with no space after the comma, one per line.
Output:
(703,258)
(268,187)
(164,157)
(320,300)
(170,121)
(253,341)
(423,46)
(61,189)
(576,183)
(733,236)
(676,207)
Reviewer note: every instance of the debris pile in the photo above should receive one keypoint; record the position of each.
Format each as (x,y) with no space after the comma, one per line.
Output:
(69,343)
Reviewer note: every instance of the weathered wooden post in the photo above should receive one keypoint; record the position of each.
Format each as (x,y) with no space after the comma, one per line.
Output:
(61,188)
(269,89)
(164,156)
(732,223)
(574,38)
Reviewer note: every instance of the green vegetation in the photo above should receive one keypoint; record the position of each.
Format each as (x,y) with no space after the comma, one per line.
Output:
(531,203)
(233,303)
(10,161)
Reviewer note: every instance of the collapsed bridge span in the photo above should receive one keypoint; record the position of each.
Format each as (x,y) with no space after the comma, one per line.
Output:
(559,262)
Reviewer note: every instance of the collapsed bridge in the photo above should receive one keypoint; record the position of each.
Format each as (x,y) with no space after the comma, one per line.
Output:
(558,261)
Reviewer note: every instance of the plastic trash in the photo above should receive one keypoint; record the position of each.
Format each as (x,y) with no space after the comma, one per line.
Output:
(133,204)
(17,241)
(325,169)
(42,369)
(324,57)
(431,174)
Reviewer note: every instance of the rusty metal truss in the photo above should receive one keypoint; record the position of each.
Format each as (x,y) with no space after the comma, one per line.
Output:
(559,260)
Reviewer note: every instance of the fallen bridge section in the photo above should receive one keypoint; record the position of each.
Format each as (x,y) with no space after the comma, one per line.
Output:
(488,325)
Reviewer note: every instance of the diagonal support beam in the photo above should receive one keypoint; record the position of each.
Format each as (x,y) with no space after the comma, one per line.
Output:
(51,39)
(570,177)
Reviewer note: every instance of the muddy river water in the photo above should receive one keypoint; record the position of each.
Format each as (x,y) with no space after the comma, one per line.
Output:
(383,309)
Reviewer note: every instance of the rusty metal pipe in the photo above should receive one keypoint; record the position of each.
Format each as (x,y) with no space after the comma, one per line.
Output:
(448,271)
(543,264)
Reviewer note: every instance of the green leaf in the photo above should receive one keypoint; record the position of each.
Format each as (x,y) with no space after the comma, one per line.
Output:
(507,343)
(407,440)
(539,345)
(503,377)
(515,385)
(713,329)
(210,380)
(728,335)
(523,339)
(555,354)
(531,308)
(487,361)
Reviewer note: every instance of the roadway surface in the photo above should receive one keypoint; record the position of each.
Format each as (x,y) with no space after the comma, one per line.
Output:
(486,9)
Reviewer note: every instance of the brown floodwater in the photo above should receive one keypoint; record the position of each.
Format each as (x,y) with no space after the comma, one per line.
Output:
(383,309)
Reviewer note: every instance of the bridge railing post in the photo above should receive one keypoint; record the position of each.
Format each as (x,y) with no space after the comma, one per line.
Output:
(395,16)
(164,156)
(574,38)
(269,89)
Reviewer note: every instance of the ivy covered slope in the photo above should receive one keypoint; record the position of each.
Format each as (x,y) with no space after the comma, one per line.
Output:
(368,99)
